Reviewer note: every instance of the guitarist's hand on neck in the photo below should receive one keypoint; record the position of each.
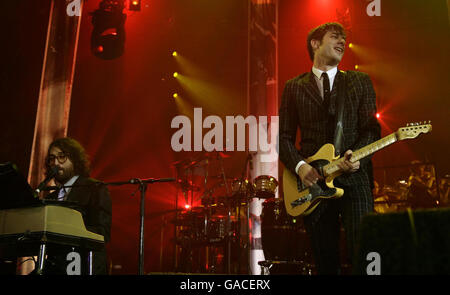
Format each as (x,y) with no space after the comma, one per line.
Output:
(347,165)
(308,175)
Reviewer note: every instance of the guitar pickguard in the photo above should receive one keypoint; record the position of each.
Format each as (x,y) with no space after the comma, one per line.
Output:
(317,190)
(312,193)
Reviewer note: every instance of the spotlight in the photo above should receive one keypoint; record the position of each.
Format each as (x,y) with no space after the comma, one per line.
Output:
(175,95)
(174,53)
(108,35)
(350,45)
(175,74)
(356,67)
(135,5)
(378,115)
(99,49)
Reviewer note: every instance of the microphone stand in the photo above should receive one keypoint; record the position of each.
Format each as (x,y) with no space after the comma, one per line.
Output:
(228,224)
(143,183)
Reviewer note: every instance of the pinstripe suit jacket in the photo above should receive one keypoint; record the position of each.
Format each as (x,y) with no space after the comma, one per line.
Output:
(302,108)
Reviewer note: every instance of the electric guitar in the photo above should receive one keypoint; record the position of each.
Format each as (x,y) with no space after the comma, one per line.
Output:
(304,200)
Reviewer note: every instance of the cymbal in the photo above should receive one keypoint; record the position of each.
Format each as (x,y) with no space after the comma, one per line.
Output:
(220,176)
(197,163)
(187,185)
(160,213)
(189,163)
(180,162)
(216,155)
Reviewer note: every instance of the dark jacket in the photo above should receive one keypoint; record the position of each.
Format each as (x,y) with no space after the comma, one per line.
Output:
(302,108)
(95,204)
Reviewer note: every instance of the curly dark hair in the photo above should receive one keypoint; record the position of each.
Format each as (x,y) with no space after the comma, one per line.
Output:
(75,152)
(318,32)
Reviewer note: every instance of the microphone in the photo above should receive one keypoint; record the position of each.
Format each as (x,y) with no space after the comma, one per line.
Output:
(42,185)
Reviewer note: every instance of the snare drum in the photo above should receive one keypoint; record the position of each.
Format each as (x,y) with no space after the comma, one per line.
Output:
(265,186)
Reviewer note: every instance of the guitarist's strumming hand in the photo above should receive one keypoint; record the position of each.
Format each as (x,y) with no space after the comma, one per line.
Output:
(308,174)
(347,166)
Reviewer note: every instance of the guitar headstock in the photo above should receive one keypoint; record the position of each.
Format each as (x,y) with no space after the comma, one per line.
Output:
(412,130)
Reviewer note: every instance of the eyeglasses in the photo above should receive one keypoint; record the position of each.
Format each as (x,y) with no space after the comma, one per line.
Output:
(62,158)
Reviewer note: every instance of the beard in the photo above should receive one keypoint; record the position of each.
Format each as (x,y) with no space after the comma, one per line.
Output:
(64,174)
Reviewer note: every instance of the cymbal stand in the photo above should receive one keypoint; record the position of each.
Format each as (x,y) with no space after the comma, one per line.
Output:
(189,250)
(228,226)
(175,233)
(248,166)
(207,212)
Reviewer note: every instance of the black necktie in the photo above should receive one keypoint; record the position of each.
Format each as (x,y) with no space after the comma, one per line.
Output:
(326,90)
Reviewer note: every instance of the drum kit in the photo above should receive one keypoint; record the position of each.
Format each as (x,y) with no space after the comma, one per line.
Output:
(212,233)
(391,198)
(401,195)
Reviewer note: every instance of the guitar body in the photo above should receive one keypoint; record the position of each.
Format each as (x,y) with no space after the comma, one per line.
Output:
(303,202)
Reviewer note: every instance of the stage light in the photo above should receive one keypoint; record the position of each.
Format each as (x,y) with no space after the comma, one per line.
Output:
(350,45)
(356,67)
(109,29)
(378,115)
(174,53)
(175,74)
(187,206)
(175,95)
(135,5)
(99,49)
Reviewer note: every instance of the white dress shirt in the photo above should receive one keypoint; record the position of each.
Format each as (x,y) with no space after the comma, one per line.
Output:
(65,190)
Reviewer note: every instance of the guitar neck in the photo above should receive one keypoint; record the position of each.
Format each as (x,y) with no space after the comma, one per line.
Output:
(374,147)
(368,150)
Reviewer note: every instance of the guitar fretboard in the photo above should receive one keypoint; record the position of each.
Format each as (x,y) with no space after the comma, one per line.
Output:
(361,153)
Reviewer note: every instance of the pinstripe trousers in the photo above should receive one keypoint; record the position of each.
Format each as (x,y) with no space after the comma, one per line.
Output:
(323,227)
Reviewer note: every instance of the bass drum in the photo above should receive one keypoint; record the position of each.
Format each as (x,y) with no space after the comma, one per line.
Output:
(283,236)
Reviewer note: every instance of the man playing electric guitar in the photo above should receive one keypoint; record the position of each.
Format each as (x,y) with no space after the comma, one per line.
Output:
(309,103)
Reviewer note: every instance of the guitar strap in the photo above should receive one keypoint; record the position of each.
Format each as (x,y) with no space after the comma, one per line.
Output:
(339,133)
